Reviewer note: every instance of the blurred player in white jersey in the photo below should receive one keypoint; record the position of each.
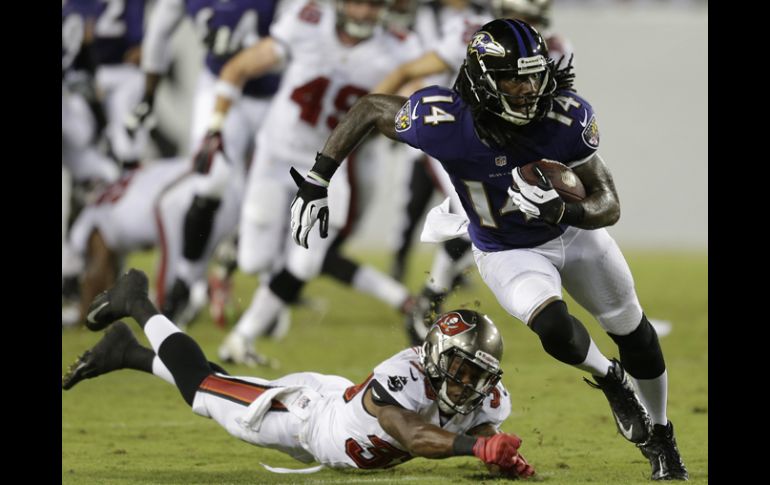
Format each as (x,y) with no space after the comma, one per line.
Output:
(441,400)
(332,54)
(84,167)
(121,219)
(224,147)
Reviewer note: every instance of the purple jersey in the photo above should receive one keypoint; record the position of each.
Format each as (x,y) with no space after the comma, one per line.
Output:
(74,14)
(119,27)
(439,123)
(234,25)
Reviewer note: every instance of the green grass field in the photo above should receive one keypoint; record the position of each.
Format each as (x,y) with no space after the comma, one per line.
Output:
(129,427)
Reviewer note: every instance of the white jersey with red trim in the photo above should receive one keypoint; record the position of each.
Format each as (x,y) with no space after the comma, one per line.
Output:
(323,77)
(343,434)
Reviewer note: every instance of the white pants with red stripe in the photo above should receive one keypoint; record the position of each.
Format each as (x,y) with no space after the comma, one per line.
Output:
(278,420)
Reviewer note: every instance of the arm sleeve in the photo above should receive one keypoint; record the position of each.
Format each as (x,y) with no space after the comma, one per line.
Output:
(156,47)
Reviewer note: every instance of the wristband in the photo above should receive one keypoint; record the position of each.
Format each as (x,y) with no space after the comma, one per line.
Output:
(574,213)
(463,445)
(324,169)
(227,90)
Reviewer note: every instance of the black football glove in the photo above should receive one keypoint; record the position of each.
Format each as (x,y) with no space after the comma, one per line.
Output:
(309,205)
(539,201)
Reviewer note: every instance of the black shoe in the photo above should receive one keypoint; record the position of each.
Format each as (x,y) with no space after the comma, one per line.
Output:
(663,454)
(114,303)
(631,417)
(105,356)
(424,312)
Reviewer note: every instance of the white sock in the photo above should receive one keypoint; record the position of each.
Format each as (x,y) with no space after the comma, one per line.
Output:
(158,328)
(596,363)
(372,282)
(654,394)
(159,369)
(264,308)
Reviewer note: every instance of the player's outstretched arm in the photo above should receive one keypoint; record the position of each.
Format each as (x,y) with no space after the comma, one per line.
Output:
(370,111)
(426,440)
(601,205)
(310,204)
(249,63)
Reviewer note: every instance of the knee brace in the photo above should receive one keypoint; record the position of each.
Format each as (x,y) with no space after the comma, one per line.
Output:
(198,223)
(640,351)
(339,267)
(286,286)
(561,334)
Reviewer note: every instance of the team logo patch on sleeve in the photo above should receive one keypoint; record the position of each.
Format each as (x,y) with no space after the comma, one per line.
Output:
(591,133)
(396,383)
(403,119)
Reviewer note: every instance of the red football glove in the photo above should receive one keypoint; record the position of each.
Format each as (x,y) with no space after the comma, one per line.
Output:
(500,449)
(520,468)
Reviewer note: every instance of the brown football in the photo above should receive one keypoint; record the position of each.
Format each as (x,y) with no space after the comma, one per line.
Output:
(563,179)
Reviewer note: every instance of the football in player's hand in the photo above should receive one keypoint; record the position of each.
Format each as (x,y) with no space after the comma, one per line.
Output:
(563,179)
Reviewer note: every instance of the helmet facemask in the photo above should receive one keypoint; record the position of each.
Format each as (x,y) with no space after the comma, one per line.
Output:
(474,375)
(518,94)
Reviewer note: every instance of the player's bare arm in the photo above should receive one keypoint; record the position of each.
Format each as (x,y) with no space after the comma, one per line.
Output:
(419,437)
(485,429)
(499,451)
(247,64)
(372,110)
(425,65)
(601,205)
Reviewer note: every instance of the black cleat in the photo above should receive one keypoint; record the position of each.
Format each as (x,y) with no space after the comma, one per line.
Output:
(663,454)
(631,417)
(113,304)
(105,356)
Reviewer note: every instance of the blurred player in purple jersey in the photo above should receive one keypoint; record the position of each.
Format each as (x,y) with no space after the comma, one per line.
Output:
(116,51)
(511,106)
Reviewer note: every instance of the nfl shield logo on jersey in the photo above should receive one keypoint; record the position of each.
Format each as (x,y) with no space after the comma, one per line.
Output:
(501,161)
(403,119)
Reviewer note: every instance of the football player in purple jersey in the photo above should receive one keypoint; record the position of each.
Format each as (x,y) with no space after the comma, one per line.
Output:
(511,106)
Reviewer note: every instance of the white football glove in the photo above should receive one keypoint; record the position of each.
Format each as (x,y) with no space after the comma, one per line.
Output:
(309,205)
(539,201)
